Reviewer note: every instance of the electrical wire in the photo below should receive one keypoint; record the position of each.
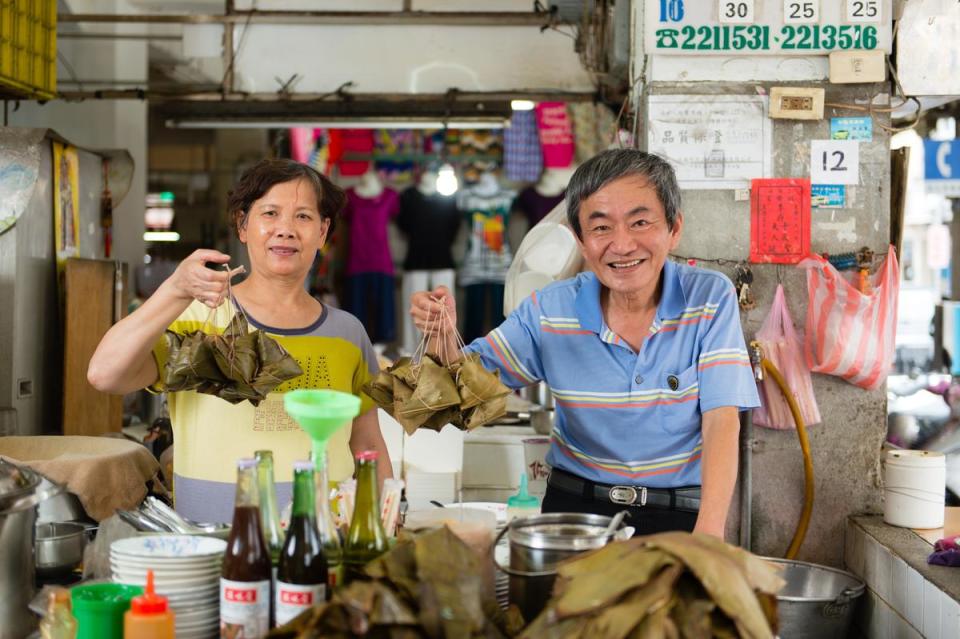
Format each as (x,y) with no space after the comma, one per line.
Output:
(69,67)
(872,110)
(236,52)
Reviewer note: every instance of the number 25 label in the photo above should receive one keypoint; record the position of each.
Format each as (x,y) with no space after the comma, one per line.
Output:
(863,11)
(801,11)
(835,162)
(736,11)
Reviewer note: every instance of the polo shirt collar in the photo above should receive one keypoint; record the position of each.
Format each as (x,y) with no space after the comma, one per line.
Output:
(673,301)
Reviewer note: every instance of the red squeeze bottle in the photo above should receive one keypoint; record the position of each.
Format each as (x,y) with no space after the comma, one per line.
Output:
(149,616)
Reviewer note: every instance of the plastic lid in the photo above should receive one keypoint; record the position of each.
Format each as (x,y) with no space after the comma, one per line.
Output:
(246,462)
(302,466)
(149,603)
(367,455)
(523,499)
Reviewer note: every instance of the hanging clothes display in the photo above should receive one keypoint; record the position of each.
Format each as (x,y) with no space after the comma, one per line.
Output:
(534,205)
(370,280)
(430,222)
(347,142)
(556,134)
(484,269)
(522,157)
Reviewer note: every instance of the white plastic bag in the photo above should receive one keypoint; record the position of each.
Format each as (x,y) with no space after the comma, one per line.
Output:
(783,347)
(850,334)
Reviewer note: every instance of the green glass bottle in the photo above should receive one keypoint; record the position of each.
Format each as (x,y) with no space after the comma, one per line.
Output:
(269,515)
(302,573)
(366,540)
(329,533)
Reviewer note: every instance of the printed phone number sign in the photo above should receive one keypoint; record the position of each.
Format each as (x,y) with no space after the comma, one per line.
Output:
(772,27)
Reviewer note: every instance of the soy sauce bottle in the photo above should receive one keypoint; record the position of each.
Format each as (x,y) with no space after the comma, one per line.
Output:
(302,572)
(245,577)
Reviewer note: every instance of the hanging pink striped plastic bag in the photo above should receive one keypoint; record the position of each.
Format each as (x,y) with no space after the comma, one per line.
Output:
(850,334)
(784,348)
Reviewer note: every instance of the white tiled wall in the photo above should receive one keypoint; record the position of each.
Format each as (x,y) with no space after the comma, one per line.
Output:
(899,602)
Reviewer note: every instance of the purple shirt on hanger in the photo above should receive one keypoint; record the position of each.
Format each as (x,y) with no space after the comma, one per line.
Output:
(534,205)
(368,219)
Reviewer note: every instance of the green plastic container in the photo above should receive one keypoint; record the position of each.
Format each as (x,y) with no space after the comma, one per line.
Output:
(99,609)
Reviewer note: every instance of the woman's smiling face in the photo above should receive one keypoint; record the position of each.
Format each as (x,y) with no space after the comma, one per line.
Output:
(284,230)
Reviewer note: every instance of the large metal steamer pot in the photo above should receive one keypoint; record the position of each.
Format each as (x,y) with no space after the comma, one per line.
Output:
(20,492)
(538,544)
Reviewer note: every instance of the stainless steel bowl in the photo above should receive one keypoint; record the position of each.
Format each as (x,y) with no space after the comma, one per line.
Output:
(59,547)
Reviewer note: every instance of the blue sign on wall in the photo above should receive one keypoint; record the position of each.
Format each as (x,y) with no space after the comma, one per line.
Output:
(855,128)
(942,167)
(828,196)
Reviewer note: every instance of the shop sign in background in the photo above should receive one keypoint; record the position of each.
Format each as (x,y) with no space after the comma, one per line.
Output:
(772,27)
(942,167)
(712,141)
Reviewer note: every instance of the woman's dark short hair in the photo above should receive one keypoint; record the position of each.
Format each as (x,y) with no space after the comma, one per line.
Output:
(607,166)
(265,174)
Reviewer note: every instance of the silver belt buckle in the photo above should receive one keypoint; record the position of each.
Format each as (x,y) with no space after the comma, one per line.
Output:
(628,495)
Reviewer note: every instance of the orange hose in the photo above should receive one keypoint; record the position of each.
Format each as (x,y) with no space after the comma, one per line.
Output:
(801,532)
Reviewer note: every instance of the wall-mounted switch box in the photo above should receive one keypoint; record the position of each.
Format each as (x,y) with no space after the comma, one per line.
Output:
(796,103)
(848,67)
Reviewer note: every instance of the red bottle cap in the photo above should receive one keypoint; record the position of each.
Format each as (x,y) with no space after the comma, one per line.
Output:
(367,455)
(149,603)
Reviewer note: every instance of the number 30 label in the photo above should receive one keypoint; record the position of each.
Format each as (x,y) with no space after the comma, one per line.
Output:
(801,11)
(736,11)
(835,162)
(863,11)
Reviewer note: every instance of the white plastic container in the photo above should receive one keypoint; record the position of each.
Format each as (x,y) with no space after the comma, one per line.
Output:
(914,486)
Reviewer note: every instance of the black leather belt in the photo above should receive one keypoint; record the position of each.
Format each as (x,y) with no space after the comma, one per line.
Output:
(687,499)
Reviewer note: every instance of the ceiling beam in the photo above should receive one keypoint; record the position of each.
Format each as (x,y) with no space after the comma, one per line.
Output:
(375,18)
(188,95)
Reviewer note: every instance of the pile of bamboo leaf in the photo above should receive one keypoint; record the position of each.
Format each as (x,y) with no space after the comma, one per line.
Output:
(236,365)
(666,585)
(426,394)
(429,586)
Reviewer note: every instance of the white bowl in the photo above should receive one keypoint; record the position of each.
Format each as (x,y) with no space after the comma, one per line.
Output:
(168,547)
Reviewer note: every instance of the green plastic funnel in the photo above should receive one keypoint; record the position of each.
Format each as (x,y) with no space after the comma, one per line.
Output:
(321,413)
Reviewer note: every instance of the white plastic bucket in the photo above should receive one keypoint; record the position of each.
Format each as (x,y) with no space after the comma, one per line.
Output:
(914,486)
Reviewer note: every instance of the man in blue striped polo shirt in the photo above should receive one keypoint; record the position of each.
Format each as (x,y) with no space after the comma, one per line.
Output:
(645,357)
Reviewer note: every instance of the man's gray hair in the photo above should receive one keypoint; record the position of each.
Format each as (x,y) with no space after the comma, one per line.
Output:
(607,166)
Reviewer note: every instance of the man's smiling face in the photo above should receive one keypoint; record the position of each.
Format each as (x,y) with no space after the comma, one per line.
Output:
(625,238)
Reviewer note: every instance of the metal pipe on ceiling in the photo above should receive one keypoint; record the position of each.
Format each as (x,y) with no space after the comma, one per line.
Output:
(74,35)
(384,18)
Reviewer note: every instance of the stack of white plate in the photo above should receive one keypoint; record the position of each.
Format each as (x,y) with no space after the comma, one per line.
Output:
(186,570)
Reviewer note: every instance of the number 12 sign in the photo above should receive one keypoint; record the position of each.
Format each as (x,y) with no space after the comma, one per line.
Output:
(835,162)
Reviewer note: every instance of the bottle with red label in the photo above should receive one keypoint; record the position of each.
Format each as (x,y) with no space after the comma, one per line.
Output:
(245,578)
(366,539)
(302,573)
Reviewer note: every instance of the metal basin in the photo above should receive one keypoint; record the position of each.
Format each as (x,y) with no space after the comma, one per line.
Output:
(59,547)
(817,602)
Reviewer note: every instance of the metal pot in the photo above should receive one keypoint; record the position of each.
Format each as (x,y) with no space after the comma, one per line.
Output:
(64,506)
(20,492)
(817,602)
(59,547)
(538,544)
(542,420)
